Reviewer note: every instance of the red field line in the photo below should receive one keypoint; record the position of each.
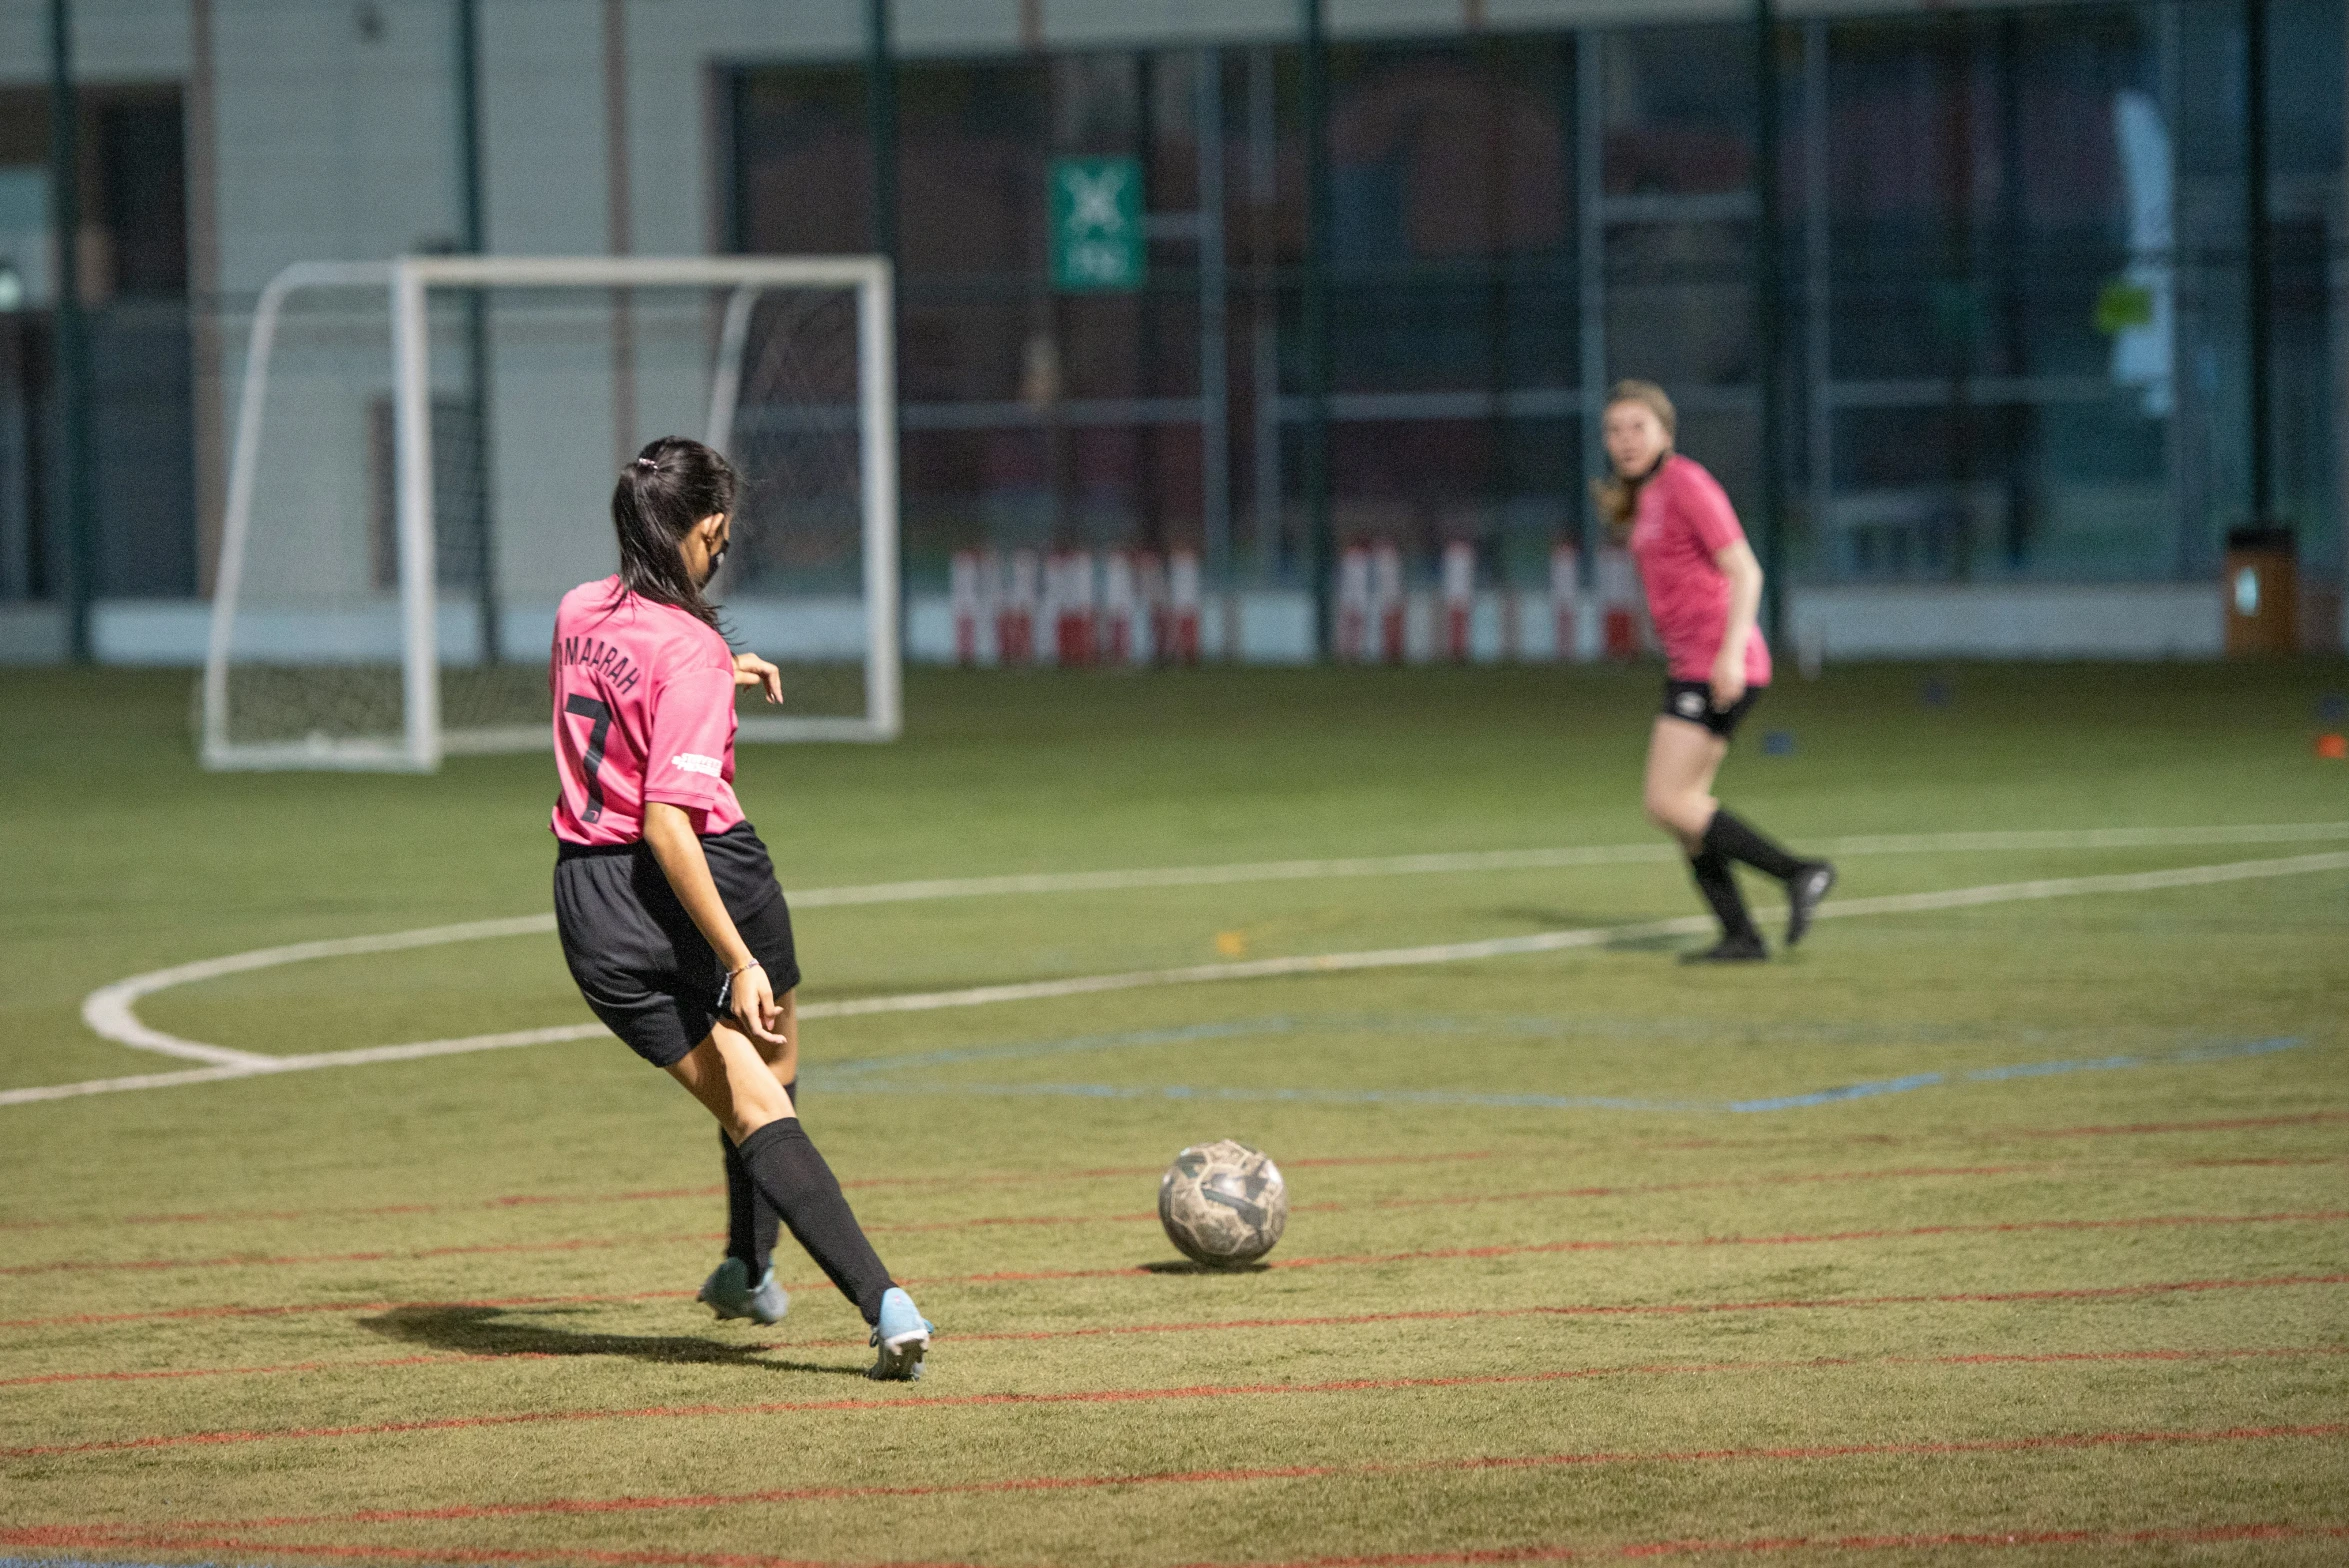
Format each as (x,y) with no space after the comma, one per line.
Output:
(1354,1260)
(299,1307)
(310,1259)
(1619,1244)
(97,1536)
(260,1371)
(370,1211)
(456,1358)
(2220,1124)
(103,1536)
(1449,1200)
(1680,1308)
(1944,1448)
(658,1194)
(1506,1249)
(1639,1189)
(1190,1392)
(2182,1534)
(1993,1134)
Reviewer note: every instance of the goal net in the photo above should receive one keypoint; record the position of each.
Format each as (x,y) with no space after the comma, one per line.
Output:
(424,460)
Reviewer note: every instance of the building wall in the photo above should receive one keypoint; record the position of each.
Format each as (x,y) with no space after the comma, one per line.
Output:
(335,139)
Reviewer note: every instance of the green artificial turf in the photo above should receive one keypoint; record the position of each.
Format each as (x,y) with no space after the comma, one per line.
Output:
(2019,1228)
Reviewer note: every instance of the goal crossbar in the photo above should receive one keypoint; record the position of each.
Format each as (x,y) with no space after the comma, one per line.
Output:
(407,282)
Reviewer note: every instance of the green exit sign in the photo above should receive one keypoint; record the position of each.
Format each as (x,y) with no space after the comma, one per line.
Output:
(1097,224)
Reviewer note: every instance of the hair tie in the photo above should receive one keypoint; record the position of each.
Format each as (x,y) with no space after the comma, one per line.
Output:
(648,465)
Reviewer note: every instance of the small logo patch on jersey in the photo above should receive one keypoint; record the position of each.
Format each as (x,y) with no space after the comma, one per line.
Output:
(1689,703)
(695,762)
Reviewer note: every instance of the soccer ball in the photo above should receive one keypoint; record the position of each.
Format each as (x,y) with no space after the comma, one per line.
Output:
(1223,1204)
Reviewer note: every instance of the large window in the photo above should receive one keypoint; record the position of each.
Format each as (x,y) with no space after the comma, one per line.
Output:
(134,283)
(2013,253)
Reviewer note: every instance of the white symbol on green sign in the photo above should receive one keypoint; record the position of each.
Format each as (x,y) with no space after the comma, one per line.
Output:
(1096,224)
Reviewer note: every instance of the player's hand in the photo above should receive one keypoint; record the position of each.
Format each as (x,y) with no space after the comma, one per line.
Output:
(753,1005)
(1728,681)
(751,670)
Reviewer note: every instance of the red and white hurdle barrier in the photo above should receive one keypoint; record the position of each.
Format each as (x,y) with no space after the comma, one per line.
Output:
(1150,594)
(970,582)
(1015,612)
(1566,599)
(1618,603)
(1386,599)
(1459,597)
(1353,628)
(1068,588)
(1121,609)
(1180,645)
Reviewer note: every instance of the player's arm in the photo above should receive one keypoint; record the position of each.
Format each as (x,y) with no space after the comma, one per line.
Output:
(1737,563)
(668,832)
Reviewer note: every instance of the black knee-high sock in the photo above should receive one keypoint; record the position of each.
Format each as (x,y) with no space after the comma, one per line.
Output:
(751,1221)
(1719,885)
(796,1182)
(1740,842)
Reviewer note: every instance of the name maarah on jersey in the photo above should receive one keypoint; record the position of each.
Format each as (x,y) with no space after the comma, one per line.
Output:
(695,762)
(596,654)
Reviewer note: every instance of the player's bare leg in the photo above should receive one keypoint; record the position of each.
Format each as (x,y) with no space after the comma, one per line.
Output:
(1678,790)
(732,1080)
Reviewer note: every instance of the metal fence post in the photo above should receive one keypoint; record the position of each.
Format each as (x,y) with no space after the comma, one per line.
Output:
(1769,318)
(1321,550)
(473,239)
(2258,281)
(73,339)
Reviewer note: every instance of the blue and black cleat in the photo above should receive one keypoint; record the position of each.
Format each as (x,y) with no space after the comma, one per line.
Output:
(730,1294)
(903,1338)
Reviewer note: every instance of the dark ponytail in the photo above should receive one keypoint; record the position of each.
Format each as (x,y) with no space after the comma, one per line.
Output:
(672,485)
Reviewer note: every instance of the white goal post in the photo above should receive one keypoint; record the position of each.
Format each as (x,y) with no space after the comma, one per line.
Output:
(409,727)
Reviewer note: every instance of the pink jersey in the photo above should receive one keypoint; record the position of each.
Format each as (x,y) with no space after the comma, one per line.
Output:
(644,710)
(1684,521)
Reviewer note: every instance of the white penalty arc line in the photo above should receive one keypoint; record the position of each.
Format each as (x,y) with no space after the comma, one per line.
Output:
(111,1010)
(242,1064)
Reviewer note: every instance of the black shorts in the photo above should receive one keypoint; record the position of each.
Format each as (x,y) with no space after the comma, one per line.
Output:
(635,953)
(1693,701)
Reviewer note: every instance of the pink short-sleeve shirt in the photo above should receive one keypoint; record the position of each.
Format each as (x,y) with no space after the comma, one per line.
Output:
(1684,520)
(644,711)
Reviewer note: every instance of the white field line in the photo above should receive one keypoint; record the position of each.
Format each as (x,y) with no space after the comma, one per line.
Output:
(253,1065)
(1556,941)
(110,1011)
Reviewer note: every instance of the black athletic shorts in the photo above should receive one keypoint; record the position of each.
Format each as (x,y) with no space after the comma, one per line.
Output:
(635,953)
(1693,701)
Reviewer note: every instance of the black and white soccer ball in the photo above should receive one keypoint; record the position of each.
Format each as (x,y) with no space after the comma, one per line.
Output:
(1223,1204)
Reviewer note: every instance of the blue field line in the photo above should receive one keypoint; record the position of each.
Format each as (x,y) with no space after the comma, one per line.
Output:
(870,1080)
(1532,1028)
(1184,1091)
(2105,1064)
(1849,1091)
(830,1072)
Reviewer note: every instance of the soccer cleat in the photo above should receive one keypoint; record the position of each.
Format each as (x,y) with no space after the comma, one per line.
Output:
(903,1338)
(729,1293)
(1806,890)
(1730,950)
